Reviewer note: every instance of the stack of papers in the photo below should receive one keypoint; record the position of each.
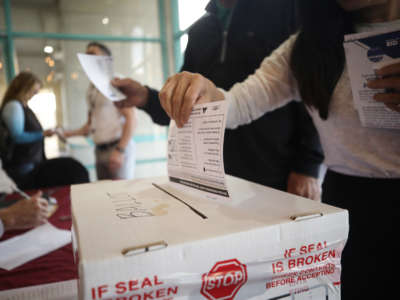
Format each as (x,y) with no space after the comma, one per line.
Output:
(37,242)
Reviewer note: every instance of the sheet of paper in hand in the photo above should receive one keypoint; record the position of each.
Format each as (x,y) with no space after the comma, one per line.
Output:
(365,53)
(195,152)
(100,71)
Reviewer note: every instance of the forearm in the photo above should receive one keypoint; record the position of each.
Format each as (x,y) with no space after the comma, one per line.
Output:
(14,118)
(308,161)
(77,132)
(127,130)
(154,110)
(27,137)
(309,153)
(74,132)
(270,87)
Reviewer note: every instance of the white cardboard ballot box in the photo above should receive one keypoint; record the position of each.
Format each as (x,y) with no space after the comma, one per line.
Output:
(136,241)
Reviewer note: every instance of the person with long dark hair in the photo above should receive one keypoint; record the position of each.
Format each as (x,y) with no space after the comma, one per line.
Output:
(363,163)
(28,165)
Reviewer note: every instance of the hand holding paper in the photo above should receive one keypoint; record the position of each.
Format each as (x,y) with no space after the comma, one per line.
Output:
(389,79)
(49,132)
(136,94)
(368,55)
(61,134)
(100,71)
(182,91)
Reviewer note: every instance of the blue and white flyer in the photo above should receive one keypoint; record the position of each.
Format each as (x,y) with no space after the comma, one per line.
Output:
(365,53)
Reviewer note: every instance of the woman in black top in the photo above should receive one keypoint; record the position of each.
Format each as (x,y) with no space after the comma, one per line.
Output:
(27,164)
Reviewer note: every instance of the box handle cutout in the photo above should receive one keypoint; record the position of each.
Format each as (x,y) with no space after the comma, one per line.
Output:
(306,216)
(145,248)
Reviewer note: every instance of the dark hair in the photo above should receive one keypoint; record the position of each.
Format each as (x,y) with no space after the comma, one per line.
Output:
(102,47)
(317,58)
(22,83)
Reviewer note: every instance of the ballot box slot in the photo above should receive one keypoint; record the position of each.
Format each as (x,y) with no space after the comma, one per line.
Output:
(144,248)
(306,216)
(197,212)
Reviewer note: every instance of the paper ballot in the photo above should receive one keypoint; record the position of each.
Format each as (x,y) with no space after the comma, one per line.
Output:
(365,53)
(195,152)
(32,244)
(100,71)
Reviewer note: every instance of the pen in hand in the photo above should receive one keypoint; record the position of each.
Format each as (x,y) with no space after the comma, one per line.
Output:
(21,193)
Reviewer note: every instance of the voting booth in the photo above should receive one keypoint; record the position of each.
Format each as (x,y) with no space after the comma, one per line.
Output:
(148,239)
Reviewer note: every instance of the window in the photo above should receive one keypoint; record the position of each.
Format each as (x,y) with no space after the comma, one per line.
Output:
(188,13)
(44,106)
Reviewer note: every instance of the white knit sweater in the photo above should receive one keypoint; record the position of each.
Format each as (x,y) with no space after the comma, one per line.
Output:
(349,148)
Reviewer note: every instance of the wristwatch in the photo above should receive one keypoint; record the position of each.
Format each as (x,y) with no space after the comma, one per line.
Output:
(120,149)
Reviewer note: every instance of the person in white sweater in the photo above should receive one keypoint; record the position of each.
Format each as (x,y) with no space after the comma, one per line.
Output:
(363,163)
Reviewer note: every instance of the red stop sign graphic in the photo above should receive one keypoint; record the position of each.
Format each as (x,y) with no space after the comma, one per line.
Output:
(224,280)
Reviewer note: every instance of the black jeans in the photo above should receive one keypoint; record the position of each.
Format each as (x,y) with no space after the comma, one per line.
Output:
(369,260)
(50,173)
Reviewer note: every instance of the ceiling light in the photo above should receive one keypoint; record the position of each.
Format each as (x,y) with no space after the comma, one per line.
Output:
(74,75)
(105,21)
(48,49)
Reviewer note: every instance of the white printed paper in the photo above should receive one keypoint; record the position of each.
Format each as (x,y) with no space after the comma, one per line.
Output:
(195,152)
(365,53)
(37,242)
(100,70)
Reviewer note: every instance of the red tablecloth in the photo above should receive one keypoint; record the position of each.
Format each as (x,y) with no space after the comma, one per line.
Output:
(53,267)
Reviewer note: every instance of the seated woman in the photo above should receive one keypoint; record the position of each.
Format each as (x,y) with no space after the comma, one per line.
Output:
(28,165)
(25,213)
